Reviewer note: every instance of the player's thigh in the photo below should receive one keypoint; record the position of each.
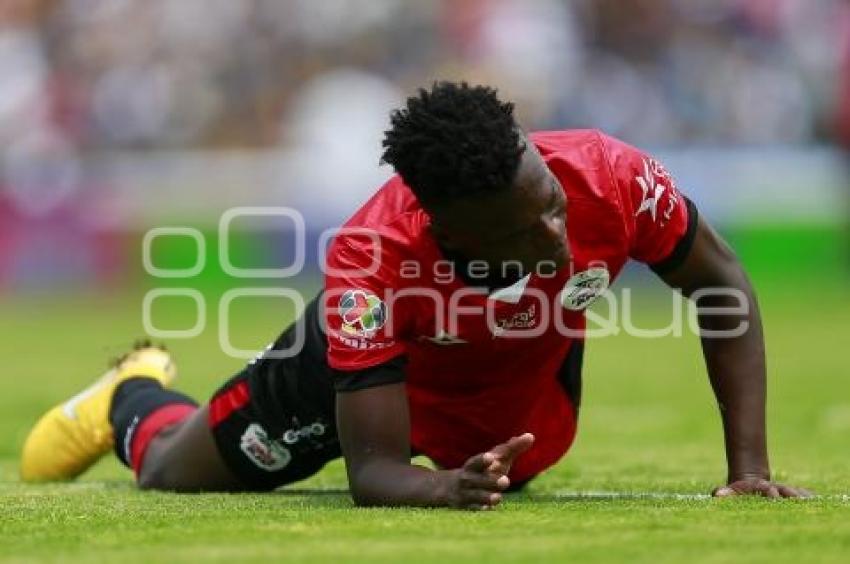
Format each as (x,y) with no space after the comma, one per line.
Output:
(268,433)
(185,457)
(270,425)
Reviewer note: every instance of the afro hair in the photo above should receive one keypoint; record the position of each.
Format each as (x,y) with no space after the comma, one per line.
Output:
(454,141)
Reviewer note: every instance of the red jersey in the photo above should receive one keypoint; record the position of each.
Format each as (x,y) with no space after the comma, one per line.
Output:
(484,367)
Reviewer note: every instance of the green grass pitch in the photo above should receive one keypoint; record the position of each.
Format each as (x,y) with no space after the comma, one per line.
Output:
(648,431)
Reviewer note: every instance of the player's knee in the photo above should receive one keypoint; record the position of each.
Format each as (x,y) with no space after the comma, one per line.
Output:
(152,475)
(157,473)
(162,478)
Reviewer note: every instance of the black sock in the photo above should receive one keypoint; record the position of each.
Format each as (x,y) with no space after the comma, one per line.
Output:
(134,400)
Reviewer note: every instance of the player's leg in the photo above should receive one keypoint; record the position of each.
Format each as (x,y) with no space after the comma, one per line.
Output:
(184,457)
(165,438)
(270,425)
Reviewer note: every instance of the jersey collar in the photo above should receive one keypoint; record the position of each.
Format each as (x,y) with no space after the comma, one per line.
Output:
(513,293)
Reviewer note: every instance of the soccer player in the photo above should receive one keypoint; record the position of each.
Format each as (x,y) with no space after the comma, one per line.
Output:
(451,325)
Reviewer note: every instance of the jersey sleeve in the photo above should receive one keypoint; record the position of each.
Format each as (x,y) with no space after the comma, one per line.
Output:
(660,221)
(365,327)
(388,372)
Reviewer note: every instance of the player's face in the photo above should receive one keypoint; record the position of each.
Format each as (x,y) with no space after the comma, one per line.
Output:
(526,224)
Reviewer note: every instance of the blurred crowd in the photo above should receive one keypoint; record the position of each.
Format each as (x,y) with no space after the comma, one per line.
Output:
(137,74)
(315,80)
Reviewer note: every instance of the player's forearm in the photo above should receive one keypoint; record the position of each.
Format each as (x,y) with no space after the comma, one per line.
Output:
(736,367)
(391,483)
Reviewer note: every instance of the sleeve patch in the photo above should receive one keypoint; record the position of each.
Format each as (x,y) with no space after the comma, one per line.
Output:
(363,314)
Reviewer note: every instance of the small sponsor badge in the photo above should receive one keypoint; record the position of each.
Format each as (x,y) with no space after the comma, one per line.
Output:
(583,288)
(362,313)
(263,451)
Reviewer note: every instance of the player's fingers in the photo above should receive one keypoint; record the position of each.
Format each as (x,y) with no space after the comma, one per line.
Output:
(770,491)
(481,497)
(489,482)
(479,462)
(521,442)
(498,467)
(502,449)
(787,491)
(514,446)
(478,507)
(724,491)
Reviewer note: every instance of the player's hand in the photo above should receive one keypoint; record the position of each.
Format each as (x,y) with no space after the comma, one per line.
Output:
(760,486)
(479,484)
(507,452)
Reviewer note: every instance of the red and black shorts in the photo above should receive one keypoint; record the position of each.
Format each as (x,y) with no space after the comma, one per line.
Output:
(274,421)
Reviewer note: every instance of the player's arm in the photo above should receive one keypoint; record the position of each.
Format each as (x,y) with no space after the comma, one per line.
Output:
(373,423)
(667,233)
(374,431)
(733,347)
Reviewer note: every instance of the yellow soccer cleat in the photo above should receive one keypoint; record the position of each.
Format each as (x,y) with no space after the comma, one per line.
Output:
(72,436)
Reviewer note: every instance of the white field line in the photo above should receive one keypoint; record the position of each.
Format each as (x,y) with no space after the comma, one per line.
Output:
(51,489)
(629,495)
(592,495)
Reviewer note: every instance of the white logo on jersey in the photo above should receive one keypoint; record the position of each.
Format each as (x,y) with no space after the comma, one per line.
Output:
(261,450)
(652,190)
(583,288)
(443,338)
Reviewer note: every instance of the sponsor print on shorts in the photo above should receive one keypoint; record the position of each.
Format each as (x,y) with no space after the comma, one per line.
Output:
(584,287)
(363,313)
(264,452)
(312,431)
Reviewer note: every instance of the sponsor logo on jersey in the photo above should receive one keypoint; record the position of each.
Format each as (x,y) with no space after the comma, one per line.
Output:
(264,452)
(584,287)
(364,344)
(444,339)
(520,320)
(362,313)
(292,436)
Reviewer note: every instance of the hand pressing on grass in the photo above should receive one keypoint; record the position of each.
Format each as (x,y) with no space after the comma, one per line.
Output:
(760,486)
(479,483)
(374,432)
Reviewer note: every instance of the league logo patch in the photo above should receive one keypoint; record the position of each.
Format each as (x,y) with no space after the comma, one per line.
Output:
(583,288)
(363,314)
(263,451)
